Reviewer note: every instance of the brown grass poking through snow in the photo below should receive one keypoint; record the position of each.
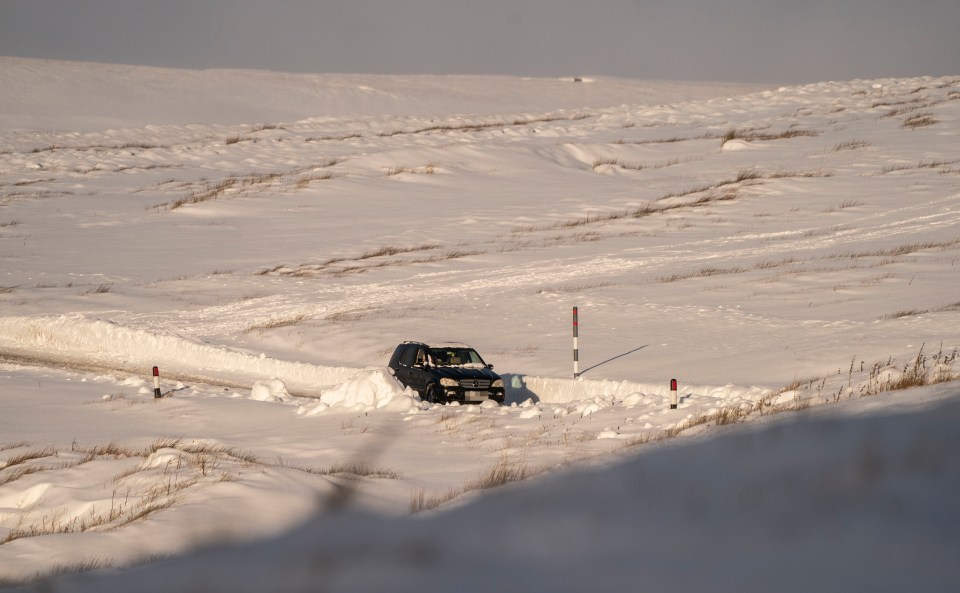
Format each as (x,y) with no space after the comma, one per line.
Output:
(504,472)
(146,487)
(919,120)
(305,180)
(428,169)
(26,456)
(701,273)
(905,249)
(756,136)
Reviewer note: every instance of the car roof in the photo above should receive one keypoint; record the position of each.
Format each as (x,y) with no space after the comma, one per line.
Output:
(440,344)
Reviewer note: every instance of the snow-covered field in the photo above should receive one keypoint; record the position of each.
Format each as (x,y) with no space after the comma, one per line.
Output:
(266,239)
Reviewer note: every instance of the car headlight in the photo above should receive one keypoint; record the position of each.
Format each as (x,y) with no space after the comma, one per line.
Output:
(448,382)
(497,383)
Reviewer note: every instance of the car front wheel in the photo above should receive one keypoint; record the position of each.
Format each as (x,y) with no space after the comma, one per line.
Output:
(433,394)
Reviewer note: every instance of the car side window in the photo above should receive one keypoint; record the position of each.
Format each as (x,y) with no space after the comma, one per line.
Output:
(438,357)
(421,357)
(406,359)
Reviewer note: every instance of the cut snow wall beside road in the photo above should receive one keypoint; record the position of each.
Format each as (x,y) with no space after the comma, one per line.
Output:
(94,344)
(557,390)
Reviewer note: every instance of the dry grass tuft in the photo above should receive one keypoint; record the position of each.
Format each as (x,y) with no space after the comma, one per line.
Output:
(905,249)
(476,127)
(919,120)
(905,313)
(428,169)
(162,443)
(850,145)
(363,469)
(262,127)
(719,418)
(254,182)
(420,502)
(388,250)
(601,161)
(756,136)
(28,456)
(305,180)
(718,192)
(100,289)
(209,192)
(923,370)
(40,579)
(111,449)
(504,472)
(701,273)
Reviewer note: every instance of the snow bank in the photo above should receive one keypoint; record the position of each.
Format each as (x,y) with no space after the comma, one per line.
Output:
(75,340)
(556,390)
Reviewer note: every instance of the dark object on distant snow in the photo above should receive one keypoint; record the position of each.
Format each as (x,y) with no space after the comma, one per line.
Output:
(445,373)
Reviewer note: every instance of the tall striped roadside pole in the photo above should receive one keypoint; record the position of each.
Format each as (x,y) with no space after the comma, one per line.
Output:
(576,347)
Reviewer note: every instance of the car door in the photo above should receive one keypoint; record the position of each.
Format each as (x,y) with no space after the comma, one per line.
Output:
(412,368)
(419,370)
(405,363)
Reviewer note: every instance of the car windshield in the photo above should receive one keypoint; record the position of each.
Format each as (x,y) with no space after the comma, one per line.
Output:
(451,357)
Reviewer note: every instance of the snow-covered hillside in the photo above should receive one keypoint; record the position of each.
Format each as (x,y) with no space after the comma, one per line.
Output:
(86,97)
(266,239)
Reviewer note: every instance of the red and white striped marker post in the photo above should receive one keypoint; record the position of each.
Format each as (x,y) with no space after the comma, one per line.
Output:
(673,394)
(156,383)
(576,347)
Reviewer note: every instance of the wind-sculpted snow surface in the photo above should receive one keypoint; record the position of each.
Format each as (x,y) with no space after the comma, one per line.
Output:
(267,239)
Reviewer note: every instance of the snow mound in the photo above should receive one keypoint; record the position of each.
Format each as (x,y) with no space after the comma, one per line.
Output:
(370,389)
(273,390)
(737,144)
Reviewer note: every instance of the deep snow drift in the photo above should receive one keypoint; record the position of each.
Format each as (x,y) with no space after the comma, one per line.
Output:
(267,239)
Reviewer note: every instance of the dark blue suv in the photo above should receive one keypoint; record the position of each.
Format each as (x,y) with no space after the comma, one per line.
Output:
(446,372)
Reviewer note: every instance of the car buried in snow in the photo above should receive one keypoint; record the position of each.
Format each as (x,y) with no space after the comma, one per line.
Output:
(446,372)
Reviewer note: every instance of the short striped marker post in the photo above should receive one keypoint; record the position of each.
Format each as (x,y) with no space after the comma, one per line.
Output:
(576,347)
(156,383)
(673,394)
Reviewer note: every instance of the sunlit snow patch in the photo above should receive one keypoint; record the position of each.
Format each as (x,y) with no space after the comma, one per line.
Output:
(370,389)
(272,390)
